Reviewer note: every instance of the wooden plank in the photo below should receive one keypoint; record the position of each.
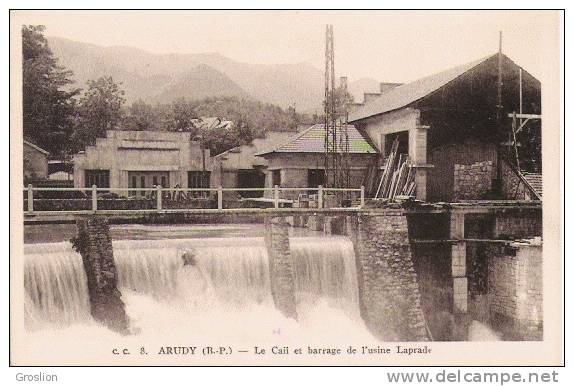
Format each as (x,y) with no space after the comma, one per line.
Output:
(526,116)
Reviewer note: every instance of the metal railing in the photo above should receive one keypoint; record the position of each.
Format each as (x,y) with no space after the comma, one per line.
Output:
(159,194)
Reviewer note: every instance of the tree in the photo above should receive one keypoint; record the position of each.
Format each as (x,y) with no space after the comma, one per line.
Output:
(140,116)
(48,107)
(99,110)
(180,116)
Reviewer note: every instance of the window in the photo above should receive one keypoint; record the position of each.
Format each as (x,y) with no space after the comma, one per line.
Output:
(276,177)
(198,179)
(100,178)
(164,182)
(142,179)
(134,184)
(154,181)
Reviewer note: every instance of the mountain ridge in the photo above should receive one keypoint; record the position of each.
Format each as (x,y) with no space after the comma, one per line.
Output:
(165,77)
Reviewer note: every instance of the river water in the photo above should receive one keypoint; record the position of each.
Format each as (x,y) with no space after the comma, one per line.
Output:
(222,300)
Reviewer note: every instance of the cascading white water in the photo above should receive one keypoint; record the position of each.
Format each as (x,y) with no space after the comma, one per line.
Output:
(236,271)
(326,271)
(55,285)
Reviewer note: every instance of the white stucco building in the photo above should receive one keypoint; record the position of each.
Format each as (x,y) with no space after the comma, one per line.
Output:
(143,159)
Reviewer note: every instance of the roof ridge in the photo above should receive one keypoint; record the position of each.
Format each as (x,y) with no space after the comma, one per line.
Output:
(457,71)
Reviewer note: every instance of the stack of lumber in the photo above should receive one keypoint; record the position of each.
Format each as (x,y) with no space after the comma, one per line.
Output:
(371,179)
(398,178)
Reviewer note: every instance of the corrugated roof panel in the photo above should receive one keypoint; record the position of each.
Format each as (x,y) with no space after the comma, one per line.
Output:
(408,93)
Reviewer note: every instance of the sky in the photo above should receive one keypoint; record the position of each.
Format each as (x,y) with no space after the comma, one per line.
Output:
(392,46)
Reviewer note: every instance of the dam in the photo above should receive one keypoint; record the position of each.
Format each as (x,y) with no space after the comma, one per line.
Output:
(370,277)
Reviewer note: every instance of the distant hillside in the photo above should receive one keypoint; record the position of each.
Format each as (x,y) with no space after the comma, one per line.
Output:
(162,78)
(199,82)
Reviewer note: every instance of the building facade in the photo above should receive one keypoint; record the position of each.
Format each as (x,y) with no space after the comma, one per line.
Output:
(459,120)
(35,162)
(300,161)
(241,168)
(143,159)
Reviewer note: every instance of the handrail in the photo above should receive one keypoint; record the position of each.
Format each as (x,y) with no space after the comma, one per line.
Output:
(159,194)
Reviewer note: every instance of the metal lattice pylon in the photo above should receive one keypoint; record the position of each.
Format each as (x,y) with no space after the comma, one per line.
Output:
(336,137)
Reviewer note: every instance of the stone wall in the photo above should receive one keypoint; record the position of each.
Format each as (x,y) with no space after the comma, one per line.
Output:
(512,185)
(472,182)
(281,270)
(518,224)
(95,245)
(515,290)
(389,296)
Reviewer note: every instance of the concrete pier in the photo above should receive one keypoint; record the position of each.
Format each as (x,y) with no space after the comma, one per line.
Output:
(94,243)
(281,270)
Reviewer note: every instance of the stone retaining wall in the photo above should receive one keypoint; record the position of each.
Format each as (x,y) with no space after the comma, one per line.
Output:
(472,182)
(515,290)
(388,290)
(514,225)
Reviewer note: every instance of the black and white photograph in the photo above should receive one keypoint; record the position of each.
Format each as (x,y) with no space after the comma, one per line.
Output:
(309,188)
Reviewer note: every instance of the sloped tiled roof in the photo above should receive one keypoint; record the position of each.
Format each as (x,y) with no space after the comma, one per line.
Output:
(36,147)
(312,140)
(535,182)
(408,93)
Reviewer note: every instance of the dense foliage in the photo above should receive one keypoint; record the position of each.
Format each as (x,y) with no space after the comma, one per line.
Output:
(98,110)
(48,104)
(250,119)
(64,120)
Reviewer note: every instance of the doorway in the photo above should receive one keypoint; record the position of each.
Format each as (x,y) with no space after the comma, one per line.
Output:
(248,178)
(147,180)
(315,177)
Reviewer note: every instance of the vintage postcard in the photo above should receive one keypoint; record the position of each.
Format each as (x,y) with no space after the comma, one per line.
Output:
(285,188)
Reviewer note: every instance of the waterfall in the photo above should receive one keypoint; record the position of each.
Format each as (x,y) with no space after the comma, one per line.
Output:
(235,271)
(55,285)
(325,270)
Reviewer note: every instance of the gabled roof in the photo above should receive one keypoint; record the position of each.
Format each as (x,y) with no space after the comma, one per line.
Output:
(312,140)
(36,147)
(261,145)
(408,93)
